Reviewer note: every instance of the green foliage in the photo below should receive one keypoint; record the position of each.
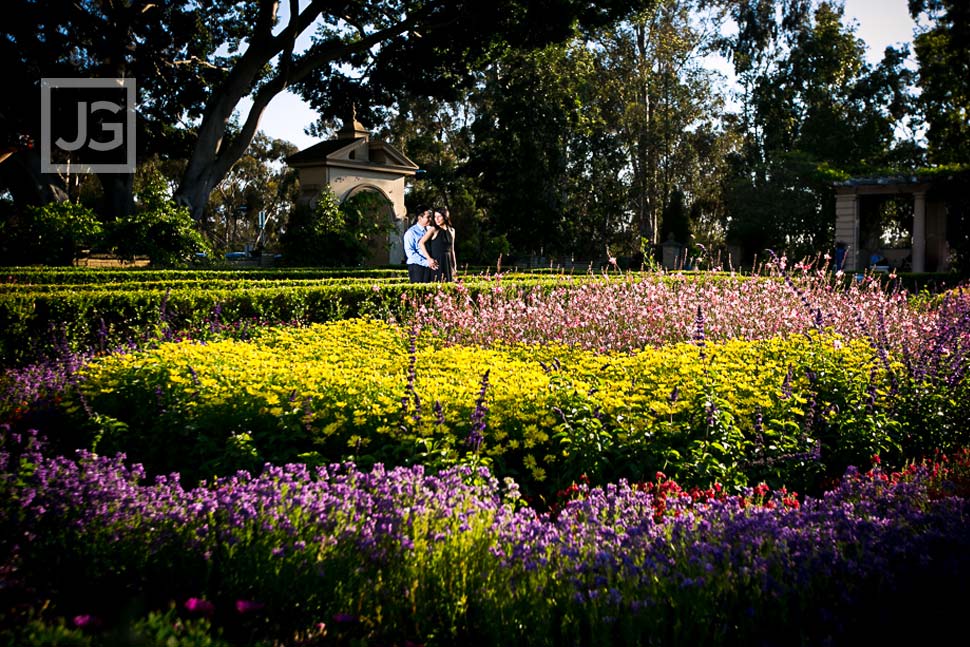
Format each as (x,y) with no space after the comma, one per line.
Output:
(942,47)
(754,193)
(158,229)
(331,234)
(167,629)
(808,409)
(813,109)
(52,234)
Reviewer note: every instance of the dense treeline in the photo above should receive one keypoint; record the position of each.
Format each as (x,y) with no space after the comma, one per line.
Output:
(585,131)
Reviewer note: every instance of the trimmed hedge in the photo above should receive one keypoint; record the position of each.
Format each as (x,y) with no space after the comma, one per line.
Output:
(48,318)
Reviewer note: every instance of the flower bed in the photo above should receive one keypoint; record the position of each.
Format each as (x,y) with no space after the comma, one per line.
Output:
(789,411)
(485,469)
(386,557)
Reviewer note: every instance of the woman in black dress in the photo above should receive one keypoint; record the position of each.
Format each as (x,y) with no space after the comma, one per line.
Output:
(438,243)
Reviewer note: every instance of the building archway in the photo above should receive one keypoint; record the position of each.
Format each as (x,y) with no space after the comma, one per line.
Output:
(376,215)
(354,164)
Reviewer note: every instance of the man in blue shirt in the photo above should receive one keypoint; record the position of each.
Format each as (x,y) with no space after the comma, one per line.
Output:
(419,267)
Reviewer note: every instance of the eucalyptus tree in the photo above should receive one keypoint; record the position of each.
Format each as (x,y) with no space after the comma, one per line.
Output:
(665,105)
(811,111)
(942,49)
(196,62)
(253,201)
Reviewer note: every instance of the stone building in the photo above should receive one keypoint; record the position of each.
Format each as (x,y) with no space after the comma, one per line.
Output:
(919,242)
(354,162)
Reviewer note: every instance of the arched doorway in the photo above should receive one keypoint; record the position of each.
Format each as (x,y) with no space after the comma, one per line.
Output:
(373,212)
(352,164)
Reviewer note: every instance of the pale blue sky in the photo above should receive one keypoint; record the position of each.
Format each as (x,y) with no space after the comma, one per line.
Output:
(880,23)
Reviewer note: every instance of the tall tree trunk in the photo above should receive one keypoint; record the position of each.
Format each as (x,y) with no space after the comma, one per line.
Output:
(118,191)
(28,185)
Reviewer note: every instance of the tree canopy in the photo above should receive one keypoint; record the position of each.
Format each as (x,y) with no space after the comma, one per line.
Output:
(555,128)
(943,51)
(195,62)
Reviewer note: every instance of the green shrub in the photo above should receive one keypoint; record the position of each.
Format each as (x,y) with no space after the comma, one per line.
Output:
(158,229)
(52,234)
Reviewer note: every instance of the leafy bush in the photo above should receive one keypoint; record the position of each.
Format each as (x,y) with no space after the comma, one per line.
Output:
(332,234)
(158,229)
(52,234)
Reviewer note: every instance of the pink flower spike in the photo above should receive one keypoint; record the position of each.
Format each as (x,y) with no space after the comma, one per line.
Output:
(248,606)
(199,605)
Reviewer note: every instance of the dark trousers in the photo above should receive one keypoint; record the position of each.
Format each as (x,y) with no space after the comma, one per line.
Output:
(419,273)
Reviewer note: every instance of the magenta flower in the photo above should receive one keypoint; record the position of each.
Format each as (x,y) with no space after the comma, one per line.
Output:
(200,605)
(85,620)
(248,606)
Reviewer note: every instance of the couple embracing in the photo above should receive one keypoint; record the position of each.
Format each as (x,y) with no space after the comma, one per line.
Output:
(430,247)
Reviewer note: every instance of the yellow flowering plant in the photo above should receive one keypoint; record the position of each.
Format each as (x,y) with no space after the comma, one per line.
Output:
(345,390)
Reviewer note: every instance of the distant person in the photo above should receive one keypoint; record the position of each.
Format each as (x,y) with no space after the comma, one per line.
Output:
(840,251)
(420,264)
(438,245)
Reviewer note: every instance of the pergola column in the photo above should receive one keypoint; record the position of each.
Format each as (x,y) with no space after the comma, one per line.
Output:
(847,227)
(919,232)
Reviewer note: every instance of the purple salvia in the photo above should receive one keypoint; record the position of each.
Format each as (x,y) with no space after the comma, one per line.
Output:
(102,335)
(477,433)
(810,410)
(786,387)
(215,318)
(699,330)
(871,391)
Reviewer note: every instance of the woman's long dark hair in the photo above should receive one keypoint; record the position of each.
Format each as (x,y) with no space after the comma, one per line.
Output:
(434,222)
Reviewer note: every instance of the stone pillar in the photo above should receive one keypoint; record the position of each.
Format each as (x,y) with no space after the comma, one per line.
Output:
(847,227)
(919,232)
(671,256)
